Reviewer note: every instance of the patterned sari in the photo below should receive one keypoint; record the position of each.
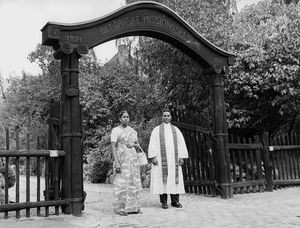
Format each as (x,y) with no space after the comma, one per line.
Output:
(127,184)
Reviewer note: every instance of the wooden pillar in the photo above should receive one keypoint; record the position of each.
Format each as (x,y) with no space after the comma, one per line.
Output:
(267,164)
(220,134)
(70,133)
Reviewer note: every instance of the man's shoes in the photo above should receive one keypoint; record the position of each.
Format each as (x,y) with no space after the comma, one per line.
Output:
(122,213)
(164,206)
(177,204)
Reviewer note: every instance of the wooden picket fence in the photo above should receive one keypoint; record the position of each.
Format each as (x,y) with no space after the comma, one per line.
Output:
(198,170)
(263,164)
(257,163)
(246,164)
(285,160)
(42,159)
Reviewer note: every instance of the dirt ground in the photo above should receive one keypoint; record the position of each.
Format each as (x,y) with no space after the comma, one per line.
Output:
(280,208)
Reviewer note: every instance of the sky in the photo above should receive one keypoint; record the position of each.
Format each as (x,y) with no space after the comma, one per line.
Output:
(22,20)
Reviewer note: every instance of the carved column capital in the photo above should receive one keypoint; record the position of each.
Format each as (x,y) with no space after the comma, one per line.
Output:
(82,50)
(66,48)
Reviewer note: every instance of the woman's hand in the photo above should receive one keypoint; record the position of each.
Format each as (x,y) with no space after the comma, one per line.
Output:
(130,145)
(118,167)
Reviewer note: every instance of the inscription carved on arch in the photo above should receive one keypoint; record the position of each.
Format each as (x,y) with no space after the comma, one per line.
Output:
(151,20)
(141,18)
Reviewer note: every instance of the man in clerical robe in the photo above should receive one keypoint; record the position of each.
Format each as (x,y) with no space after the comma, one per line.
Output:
(166,151)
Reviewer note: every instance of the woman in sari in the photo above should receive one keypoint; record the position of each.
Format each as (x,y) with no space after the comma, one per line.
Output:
(127,181)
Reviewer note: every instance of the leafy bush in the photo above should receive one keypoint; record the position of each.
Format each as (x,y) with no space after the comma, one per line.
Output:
(100,161)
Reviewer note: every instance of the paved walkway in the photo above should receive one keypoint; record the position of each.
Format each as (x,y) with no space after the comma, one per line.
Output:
(280,208)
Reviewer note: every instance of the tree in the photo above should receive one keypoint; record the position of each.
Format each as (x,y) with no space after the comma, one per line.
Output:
(2,96)
(28,96)
(174,77)
(43,56)
(25,105)
(263,88)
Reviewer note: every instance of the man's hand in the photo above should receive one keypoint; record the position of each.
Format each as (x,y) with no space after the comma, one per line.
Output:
(154,161)
(180,162)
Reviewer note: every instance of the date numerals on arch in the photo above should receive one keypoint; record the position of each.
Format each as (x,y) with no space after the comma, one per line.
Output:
(74,38)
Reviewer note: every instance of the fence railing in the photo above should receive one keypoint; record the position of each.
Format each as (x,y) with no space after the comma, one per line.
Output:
(261,164)
(284,159)
(246,166)
(198,170)
(22,161)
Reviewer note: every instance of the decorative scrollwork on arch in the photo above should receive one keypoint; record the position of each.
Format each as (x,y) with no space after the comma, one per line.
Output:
(66,48)
(82,50)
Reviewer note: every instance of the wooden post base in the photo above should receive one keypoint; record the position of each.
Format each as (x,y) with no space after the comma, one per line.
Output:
(226,192)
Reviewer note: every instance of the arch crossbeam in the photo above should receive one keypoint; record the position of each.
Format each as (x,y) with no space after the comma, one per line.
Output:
(142,18)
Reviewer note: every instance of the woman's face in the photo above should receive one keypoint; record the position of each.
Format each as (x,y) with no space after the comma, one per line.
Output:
(124,119)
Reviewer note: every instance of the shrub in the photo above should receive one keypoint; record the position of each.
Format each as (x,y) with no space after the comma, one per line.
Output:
(100,161)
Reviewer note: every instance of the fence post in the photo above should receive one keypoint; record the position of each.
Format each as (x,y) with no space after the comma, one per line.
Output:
(6,172)
(17,172)
(28,171)
(267,164)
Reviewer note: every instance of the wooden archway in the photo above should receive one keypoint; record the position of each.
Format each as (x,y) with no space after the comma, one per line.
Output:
(71,41)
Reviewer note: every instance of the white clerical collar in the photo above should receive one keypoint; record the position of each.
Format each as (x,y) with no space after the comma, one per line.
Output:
(167,124)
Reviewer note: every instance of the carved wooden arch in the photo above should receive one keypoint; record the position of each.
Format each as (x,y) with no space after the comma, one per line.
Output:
(142,18)
(71,41)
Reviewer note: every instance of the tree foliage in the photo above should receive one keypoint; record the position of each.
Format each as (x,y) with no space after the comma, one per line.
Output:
(104,94)
(263,87)
(27,96)
(177,79)
(26,104)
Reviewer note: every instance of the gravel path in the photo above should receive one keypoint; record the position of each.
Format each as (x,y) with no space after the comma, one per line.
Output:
(280,208)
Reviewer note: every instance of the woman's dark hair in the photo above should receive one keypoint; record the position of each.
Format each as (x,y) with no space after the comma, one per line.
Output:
(122,112)
(166,110)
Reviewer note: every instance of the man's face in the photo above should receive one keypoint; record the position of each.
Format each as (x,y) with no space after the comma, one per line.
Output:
(166,118)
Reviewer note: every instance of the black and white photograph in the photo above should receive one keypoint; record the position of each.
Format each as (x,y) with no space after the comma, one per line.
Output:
(149,114)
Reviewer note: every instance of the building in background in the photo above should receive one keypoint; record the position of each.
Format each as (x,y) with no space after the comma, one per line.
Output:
(123,55)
